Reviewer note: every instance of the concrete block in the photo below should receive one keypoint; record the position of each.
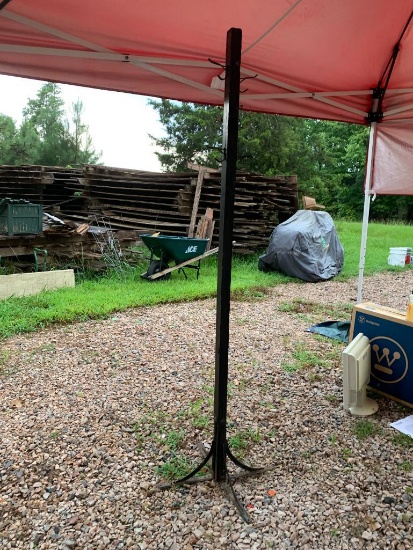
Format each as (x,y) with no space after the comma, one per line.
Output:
(25,284)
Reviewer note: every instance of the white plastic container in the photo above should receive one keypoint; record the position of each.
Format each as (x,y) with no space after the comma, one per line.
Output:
(400,256)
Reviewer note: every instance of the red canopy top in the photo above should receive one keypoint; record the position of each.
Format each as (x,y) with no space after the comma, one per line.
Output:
(313,58)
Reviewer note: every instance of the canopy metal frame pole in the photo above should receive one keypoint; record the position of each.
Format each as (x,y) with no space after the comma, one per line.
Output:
(219,450)
(366,211)
(374,116)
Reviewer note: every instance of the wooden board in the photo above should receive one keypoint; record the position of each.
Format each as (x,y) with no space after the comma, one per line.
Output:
(183,264)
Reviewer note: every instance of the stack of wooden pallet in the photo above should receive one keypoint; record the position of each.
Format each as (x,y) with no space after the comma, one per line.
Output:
(260,204)
(171,203)
(44,185)
(131,199)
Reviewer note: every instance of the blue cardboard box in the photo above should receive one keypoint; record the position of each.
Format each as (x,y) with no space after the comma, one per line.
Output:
(391,340)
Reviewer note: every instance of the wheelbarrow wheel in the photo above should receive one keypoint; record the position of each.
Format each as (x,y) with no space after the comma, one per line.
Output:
(155,267)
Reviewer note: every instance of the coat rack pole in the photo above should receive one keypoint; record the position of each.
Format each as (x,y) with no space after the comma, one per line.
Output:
(226,225)
(215,459)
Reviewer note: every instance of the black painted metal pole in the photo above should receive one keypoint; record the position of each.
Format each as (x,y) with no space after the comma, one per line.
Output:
(226,223)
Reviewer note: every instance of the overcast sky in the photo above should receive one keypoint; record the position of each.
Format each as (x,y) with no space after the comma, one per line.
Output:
(118,123)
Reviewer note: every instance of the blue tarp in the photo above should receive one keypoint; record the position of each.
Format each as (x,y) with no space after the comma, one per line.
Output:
(332,329)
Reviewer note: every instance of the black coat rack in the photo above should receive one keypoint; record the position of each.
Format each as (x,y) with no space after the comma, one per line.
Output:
(219,452)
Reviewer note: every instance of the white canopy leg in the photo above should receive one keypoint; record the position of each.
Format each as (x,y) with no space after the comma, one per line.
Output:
(367,197)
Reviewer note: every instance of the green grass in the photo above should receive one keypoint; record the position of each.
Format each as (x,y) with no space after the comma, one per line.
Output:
(174,439)
(102,297)
(157,428)
(197,413)
(175,468)
(380,238)
(242,440)
(366,428)
(406,466)
(303,358)
(305,307)
(403,440)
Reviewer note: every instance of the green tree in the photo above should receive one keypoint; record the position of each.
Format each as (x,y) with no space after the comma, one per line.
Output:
(272,144)
(57,144)
(349,199)
(26,145)
(45,115)
(81,145)
(17,145)
(350,194)
(8,133)
(338,155)
(329,158)
(268,144)
(193,134)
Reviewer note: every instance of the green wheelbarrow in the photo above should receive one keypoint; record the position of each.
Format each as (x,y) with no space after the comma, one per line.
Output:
(183,251)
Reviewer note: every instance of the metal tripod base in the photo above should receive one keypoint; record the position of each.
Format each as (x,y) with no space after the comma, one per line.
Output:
(227,485)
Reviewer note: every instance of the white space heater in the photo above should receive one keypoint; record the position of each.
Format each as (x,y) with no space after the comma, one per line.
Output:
(356,360)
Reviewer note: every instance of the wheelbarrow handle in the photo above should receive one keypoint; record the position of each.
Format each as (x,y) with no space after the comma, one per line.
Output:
(178,266)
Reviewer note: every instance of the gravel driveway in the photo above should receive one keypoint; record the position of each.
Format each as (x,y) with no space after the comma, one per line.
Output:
(93,415)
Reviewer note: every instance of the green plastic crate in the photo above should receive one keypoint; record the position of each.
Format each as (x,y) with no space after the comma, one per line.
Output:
(20,217)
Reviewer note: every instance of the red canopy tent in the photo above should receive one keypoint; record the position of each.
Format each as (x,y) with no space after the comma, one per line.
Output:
(312,58)
(349,61)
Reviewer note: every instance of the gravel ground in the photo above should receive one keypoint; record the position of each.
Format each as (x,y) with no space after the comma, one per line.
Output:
(93,415)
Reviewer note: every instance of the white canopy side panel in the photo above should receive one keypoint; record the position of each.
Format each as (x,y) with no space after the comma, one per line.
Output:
(393,159)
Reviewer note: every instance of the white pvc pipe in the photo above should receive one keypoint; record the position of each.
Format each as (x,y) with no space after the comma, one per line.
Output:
(366,212)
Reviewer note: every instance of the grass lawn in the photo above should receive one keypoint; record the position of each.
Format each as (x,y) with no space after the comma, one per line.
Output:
(93,299)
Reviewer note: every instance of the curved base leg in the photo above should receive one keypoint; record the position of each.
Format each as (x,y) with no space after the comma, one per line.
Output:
(227,485)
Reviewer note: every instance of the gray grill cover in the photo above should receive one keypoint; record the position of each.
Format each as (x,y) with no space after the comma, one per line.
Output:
(305,246)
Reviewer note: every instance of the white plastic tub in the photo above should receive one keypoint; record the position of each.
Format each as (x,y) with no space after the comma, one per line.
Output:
(400,256)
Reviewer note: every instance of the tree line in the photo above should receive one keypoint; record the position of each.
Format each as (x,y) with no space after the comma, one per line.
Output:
(328,158)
